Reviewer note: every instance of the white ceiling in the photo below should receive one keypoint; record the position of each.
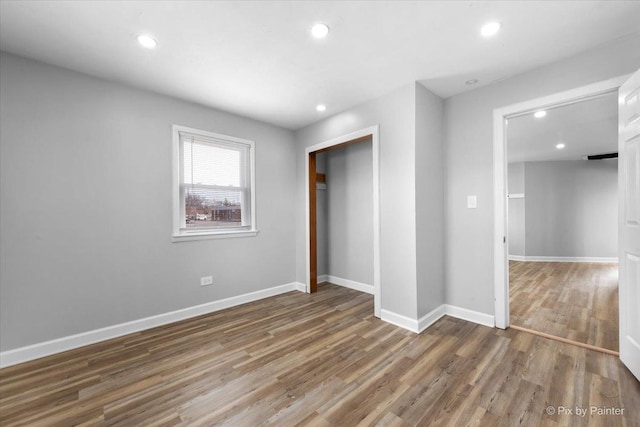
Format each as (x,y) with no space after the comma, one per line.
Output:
(258,60)
(586,128)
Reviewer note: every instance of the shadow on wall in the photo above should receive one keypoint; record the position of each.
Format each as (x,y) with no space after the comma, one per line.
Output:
(345,213)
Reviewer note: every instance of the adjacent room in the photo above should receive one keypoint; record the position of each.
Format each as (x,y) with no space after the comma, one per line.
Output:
(563,221)
(353,213)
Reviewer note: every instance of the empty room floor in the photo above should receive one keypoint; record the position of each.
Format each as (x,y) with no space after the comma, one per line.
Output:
(322,360)
(573,300)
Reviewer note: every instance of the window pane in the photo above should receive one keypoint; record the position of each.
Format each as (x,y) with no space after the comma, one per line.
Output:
(215,191)
(206,208)
(210,165)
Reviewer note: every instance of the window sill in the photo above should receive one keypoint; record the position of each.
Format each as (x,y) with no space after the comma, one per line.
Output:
(188,237)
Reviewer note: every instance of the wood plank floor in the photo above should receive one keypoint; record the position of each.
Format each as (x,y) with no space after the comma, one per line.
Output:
(573,300)
(318,360)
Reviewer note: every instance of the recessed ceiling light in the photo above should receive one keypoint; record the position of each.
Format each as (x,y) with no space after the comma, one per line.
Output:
(540,114)
(560,146)
(321,107)
(147,41)
(490,29)
(471,82)
(320,31)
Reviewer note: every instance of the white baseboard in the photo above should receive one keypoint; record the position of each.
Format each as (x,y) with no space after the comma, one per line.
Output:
(470,315)
(434,315)
(351,284)
(430,318)
(36,351)
(607,260)
(400,320)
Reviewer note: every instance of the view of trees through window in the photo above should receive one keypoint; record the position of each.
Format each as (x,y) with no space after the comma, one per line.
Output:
(206,208)
(215,182)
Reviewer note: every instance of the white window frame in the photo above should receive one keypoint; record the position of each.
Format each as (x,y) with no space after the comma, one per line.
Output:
(180,233)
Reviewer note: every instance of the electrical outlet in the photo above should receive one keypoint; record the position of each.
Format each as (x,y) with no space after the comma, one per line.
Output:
(206,281)
(472,202)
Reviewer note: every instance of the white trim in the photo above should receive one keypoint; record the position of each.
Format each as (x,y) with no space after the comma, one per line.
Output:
(374,132)
(299,286)
(500,249)
(501,269)
(431,317)
(608,260)
(399,320)
(377,284)
(434,315)
(351,284)
(187,237)
(47,348)
(470,315)
(516,196)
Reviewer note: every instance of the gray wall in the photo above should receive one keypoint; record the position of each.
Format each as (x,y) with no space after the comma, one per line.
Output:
(86,196)
(411,215)
(86,210)
(515,182)
(322,215)
(429,200)
(572,208)
(469,160)
(348,212)
(395,113)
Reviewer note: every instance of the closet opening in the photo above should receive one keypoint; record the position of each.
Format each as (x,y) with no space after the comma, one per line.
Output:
(313,178)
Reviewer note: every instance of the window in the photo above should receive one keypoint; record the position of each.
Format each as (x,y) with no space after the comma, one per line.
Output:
(213,185)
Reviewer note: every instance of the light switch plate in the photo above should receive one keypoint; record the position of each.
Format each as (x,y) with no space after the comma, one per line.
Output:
(472,202)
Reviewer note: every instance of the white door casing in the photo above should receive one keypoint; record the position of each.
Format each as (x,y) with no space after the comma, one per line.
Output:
(501,266)
(629,221)
(375,141)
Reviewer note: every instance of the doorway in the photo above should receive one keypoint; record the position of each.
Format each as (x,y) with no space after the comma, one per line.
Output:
(562,216)
(312,177)
(501,116)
